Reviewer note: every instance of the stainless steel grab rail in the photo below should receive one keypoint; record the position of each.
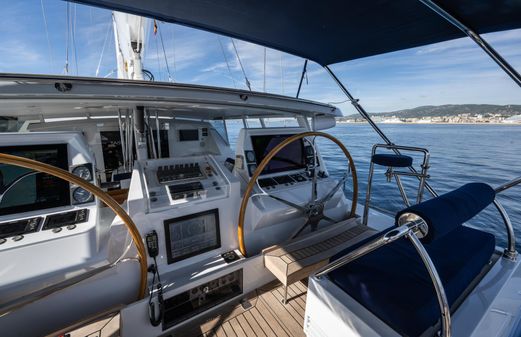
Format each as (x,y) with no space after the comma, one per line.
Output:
(510,252)
(368,118)
(422,176)
(507,185)
(413,230)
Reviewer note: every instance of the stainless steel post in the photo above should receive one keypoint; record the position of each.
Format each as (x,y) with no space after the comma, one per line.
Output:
(507,68)
(368,194)
(425,167)
(366,116)
(402,190)
(304,69)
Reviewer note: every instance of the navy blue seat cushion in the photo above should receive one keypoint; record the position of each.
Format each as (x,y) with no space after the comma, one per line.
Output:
(394,285)
(394,160)
(448,211)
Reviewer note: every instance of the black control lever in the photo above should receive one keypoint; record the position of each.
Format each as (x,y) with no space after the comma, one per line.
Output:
(153,250)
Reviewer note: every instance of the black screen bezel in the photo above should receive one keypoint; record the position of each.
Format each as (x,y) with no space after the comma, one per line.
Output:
(187,135)
(166,223)
(266,170)
(62,162)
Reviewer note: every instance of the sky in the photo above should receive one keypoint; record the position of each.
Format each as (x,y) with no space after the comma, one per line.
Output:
(34,40)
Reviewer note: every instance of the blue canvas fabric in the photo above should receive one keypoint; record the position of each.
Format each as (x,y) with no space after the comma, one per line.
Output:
(448,211)
(328,31)
(394,160)
(394,285)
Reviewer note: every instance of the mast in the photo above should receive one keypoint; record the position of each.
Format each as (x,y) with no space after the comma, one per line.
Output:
(129,36)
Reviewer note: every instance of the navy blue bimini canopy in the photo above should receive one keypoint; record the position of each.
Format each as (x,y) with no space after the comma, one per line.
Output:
(329,31)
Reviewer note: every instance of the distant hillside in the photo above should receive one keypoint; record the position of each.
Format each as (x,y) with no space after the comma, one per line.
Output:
(449,110)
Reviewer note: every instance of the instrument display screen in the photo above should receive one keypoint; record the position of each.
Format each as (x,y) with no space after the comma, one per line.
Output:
(289,158)
(24,190)
(191,235)
(188,135)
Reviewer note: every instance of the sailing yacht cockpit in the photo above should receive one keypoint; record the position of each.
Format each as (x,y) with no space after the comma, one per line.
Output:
(172,170)
(141,208)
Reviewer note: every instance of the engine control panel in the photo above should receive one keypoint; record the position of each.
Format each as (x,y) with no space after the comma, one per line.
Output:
(177,181)
(173,173)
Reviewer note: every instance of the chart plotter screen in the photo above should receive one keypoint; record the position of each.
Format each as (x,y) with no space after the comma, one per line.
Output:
(289,158)
(23,190)
(192,235)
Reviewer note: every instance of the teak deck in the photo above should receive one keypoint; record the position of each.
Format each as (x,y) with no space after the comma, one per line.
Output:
(262,315)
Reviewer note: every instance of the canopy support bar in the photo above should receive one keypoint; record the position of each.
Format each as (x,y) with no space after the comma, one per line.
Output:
(304,70)
(366,116)
(507,68)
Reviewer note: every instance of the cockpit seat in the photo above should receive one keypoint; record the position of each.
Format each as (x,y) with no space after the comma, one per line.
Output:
(393,160)
(392,282)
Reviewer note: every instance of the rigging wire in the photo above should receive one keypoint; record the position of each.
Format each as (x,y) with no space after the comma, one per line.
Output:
(173,50)
(282,72)
(170,79)
(103,49)
(227,63)
(157,52)
(73,34)
(264,82)
(66,67)
(51,59)
(240,63)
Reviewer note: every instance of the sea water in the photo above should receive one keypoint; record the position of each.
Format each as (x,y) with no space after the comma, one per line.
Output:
(459,154)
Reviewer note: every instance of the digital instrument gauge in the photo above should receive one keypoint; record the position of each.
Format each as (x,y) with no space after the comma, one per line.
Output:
(192,235)
(83,172)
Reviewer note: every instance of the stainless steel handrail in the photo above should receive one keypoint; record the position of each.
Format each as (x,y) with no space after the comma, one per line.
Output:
(413,230)
(422,176)
(375,127)
(507,185)
(510,252)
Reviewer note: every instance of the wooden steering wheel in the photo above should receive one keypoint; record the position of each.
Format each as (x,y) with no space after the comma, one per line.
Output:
(102,195)
(314,209)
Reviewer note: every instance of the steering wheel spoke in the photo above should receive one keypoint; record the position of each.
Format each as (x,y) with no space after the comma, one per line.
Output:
(287,202)
(331,193)
(314,209)
(313,223)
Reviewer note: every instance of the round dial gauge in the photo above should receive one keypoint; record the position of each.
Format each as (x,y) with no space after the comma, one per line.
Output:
(82,172)
(250,156)
(252,167)
(80,195)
